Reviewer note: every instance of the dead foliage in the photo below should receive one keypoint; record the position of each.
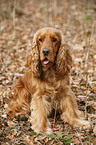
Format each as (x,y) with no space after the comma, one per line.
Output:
(18,22)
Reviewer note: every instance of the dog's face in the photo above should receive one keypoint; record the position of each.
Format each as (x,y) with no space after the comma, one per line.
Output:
(48,43)
(49,48)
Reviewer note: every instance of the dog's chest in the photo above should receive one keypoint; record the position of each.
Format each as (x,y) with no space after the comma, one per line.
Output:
(50,77)
(55,87)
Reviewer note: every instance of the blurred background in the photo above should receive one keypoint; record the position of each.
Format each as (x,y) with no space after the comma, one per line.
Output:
(19,20)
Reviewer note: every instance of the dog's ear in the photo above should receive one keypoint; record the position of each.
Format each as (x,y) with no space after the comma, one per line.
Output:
(33,59)
(63,61)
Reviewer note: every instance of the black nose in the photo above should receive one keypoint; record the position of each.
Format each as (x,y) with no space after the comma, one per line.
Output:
(45,51)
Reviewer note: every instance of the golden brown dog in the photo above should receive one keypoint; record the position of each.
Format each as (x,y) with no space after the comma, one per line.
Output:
(45,84)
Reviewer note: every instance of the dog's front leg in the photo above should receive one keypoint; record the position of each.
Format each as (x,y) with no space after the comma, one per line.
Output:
(70,112)
(40,108)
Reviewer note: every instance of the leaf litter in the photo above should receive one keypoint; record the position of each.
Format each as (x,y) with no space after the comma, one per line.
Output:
(19,20)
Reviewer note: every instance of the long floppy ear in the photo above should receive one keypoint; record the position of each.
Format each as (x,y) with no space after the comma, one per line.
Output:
(63,61)
(33,59)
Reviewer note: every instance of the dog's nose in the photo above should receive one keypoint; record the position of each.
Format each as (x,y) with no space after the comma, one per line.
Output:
(45,51)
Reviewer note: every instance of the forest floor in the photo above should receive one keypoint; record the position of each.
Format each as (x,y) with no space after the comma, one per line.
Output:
(19,20)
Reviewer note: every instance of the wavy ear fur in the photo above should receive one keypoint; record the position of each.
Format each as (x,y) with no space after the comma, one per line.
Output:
(63,61)
(33,59)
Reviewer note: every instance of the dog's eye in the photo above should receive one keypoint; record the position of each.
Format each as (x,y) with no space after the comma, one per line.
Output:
(40,39)
(54,39)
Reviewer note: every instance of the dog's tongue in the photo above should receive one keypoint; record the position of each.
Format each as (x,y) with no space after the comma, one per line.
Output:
(46,61)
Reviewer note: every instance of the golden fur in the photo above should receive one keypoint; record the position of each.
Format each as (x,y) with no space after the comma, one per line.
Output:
(45,84)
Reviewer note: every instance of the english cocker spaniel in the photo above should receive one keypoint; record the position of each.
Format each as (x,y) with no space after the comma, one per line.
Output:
(45,85)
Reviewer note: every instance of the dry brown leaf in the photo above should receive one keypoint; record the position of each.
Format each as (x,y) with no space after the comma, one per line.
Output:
(94,130)
(11,124)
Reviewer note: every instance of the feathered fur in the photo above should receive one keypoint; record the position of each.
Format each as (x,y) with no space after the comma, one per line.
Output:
(45,85)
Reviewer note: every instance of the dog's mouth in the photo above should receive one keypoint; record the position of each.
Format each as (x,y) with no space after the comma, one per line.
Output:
(45,61)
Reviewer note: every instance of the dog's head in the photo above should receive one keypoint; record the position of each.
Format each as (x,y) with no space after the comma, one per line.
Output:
(49,49)
(48,41)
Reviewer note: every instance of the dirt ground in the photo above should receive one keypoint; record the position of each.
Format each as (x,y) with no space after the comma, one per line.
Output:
(19,20)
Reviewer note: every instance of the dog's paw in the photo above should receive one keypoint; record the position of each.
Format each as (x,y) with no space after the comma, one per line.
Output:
(82,123)
(48,131)
(45,131)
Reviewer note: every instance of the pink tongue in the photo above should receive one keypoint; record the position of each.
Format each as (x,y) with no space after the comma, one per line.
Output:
(46,61)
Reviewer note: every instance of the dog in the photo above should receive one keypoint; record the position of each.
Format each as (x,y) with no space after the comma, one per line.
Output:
(46,85)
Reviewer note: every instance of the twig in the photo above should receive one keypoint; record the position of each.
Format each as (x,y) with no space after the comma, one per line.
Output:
(87,62)
(87,59)
(13,74)
(55,8)
(55,115)
(47,17)
(14,18)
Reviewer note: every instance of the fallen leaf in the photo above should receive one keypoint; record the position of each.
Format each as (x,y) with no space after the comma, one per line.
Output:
(94,130)
(11,124)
